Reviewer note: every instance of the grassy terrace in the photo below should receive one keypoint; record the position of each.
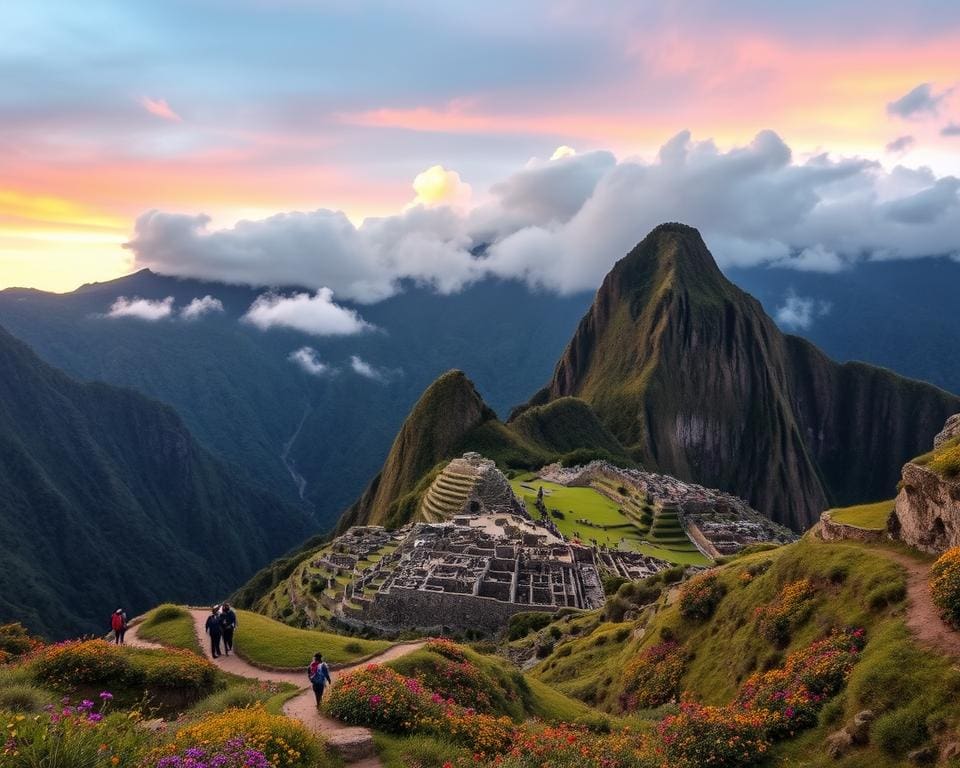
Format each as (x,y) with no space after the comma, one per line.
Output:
(872,516)
(170,625)
(264,641)
(622,527)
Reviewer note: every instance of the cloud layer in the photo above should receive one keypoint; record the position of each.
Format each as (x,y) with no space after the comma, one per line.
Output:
(200,307)
(309,361)
(317,315)
(142,309)
(560,224)
(799,312)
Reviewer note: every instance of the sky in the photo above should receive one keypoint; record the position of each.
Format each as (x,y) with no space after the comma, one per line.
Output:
(350,146)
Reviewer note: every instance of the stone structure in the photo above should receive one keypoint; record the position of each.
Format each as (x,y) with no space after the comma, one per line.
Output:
(470,484)
(834,531)
(718,522)
(474,573)
(927,512)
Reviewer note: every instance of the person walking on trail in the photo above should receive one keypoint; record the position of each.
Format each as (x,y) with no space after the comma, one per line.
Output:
(215,630)
(319,675)
(228,623)
(118,623)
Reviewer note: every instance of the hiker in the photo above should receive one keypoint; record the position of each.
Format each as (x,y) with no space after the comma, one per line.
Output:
(319,675)
(118,623)
(215,630)
(228,623)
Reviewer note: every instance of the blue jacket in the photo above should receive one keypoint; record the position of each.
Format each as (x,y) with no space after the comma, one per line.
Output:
(213,626)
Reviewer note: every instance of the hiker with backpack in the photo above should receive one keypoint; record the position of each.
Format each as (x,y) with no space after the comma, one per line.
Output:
(118,623)
(215,630)
(319,676)
(228,623)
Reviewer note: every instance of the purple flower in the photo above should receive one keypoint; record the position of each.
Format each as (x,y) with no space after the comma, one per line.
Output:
(94,717)
(106,695)
(85,704)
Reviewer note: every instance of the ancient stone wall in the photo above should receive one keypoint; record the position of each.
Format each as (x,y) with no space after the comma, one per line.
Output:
(432,611)
(833,531)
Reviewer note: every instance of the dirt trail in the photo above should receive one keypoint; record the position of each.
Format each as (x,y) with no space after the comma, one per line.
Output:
(922,617)
(353,743)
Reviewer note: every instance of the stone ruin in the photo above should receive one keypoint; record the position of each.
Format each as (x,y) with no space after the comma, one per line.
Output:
(470,484)
(718,523)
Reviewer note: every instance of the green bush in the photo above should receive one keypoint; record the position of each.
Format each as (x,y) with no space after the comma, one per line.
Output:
(522,624)
(883,595)
(23,698)
(901,730)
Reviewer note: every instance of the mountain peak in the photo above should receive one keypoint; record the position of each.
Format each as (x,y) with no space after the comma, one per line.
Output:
(671,254)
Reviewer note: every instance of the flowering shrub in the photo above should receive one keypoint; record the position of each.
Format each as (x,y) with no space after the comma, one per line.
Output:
(448,672)
(567,746)
(700,596)
(653,676)
(234,753)
(96,662)
(80,734)
(484,734)
(446,648)
(15,642)
(795,692)
(82,662)
(789,609)
(719,737)
(379,697)
(944,581)
(285,743)
(175,668)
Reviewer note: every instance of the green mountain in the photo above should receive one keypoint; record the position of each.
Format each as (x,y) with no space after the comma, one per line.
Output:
(689,373)
(106,499)
(450,418)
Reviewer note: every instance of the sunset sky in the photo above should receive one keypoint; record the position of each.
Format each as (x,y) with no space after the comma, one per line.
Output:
(242,109)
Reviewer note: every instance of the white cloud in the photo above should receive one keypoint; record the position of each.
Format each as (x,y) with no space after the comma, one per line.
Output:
(200,307)
(308,360)
(316,315)
(142,309)
(362,368)
(799,312)
(561,224)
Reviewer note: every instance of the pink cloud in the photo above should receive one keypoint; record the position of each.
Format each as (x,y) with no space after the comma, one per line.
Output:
(160,108)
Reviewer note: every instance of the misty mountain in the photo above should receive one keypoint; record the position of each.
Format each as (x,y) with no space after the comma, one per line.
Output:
(106,499)
(245,400)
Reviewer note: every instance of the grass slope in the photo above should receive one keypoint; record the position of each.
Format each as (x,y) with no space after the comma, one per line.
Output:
(264,641)
(872,516)
(912,690)
(171,625)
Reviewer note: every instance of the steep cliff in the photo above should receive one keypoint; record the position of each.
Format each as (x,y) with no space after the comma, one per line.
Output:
(446,412)
(927,514)
(451,418)
(106,499)
(690,374)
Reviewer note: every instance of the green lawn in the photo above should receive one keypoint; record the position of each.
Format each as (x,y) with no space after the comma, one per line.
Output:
(260,640)
(872,516)
(170,625)
(666,540)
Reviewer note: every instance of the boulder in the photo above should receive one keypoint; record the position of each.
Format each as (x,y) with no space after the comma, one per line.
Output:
(950,430)
(838,743)
(859,729)
(923,755)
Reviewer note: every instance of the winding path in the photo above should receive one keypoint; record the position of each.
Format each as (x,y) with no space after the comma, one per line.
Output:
(353,743)
(922,616)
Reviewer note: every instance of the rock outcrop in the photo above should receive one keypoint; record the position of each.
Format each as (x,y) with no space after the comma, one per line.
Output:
(690,374)
(950,430)
(927,513)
